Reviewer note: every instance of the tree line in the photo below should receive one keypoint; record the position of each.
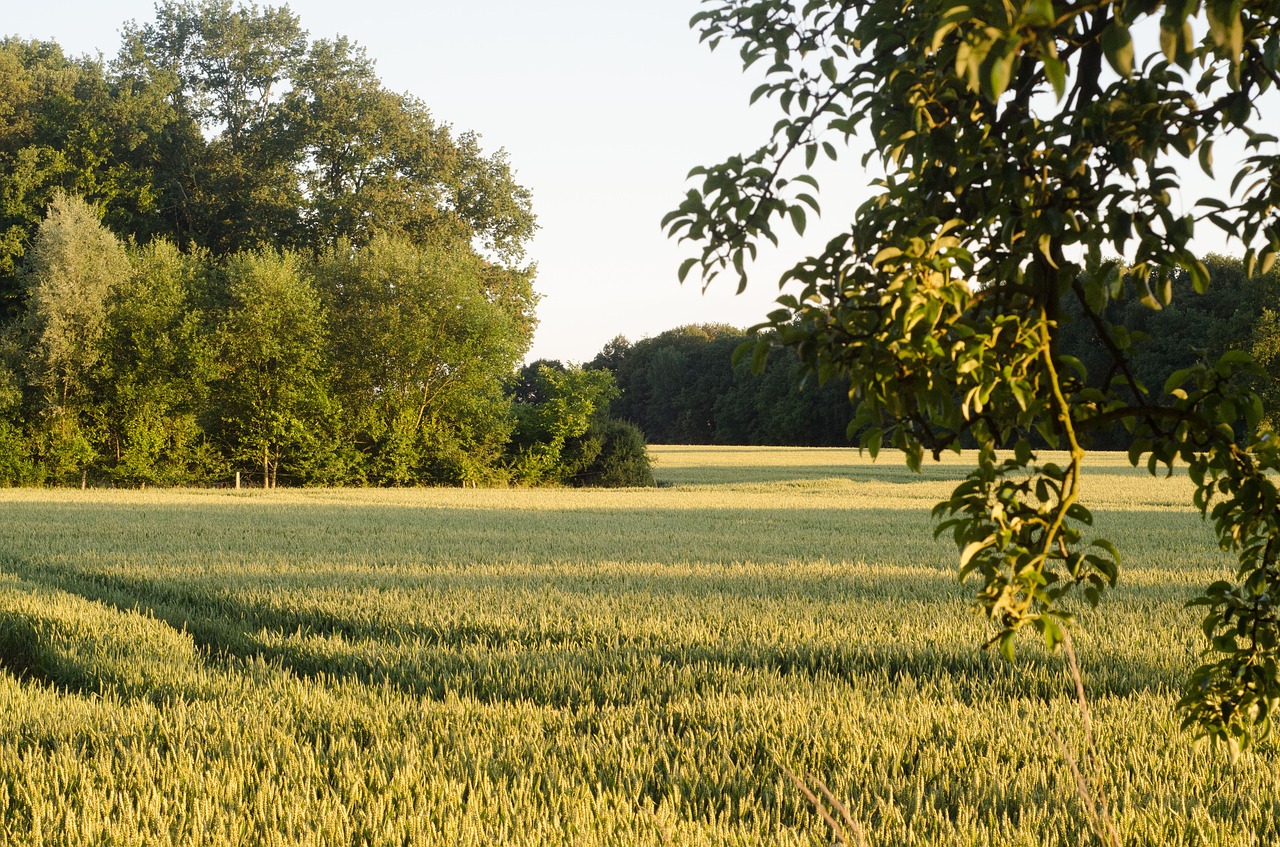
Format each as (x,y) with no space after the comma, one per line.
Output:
(389,363)
(230,248)
(684,387)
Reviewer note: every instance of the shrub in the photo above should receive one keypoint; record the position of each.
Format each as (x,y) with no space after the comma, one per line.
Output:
(621,457)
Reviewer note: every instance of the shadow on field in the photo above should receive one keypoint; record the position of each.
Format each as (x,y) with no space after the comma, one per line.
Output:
(562,667)
(217,531)
(781,474)
(219,568)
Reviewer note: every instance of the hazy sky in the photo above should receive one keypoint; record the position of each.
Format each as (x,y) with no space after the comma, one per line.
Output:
(603,105)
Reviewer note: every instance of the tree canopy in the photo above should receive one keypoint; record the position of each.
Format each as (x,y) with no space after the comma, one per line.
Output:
(225,127)
(1030,152)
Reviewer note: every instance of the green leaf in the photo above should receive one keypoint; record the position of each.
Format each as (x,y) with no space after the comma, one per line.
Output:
(1078,512)
(1112,572)
(759,356)
(797,218)
(686,266)
(1117,45)
(1169,36)
(973,548)
(885,255)
(871,440)
(1056,72)
(1039,13)
(1176,379)
(1206,158)
(1052,632)
(1001,71)
(1007,645)
(1267,261)
(1022,451)
(1199,276)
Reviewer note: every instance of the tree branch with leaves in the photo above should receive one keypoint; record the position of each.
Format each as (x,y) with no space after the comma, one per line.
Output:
(1029,156)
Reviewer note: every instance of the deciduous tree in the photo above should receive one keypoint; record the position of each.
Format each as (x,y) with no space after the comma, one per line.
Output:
(72,266)
(274,395)
(159,359)
(423,338)
(305,146)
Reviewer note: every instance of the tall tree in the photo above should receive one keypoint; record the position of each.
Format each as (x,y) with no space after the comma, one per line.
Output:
(1015,166)
(73,265)
(376,161)
(423,338)
(273,391)
(159,358)
(66,125)
(230,66)
(305,145)
(72,268)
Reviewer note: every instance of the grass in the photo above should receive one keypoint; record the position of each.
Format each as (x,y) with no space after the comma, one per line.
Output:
(571,667)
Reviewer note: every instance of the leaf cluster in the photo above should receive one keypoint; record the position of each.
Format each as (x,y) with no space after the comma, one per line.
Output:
(1022,149)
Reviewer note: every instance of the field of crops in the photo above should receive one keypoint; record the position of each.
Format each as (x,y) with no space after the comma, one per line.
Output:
(572,667)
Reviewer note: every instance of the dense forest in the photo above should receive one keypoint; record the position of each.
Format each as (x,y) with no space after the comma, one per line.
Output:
(1236,312)
(682,386)
(231,248)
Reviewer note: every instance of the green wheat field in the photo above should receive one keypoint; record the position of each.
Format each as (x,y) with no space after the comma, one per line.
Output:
(575,667)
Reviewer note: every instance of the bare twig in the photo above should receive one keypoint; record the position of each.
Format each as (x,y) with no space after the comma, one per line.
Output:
(1093,796)
(846,831)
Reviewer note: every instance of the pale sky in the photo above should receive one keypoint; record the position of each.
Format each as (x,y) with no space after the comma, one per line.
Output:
(603,105)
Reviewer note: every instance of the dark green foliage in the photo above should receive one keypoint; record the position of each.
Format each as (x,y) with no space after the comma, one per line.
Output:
(160,360)
(619,457)
(1191,328)
(386,364)
(559,406)
(69,125)
(17,465)
(563,431)
(423,338)
(684,387)
(273,385)
(305,147)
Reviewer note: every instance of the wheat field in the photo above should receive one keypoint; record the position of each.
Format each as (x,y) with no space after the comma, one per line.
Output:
(577,667)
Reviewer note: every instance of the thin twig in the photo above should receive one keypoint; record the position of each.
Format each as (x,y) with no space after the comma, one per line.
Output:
(1082,788)
(849,820)
(1095,800)
(842,832)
